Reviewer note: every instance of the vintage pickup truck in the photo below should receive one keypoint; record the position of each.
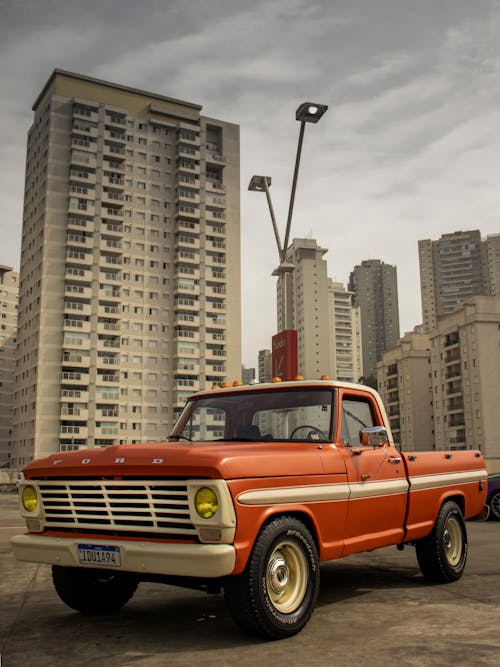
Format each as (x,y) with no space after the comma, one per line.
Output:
(256,486)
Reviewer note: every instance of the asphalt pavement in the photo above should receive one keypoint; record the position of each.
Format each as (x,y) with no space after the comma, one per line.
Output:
(374,609)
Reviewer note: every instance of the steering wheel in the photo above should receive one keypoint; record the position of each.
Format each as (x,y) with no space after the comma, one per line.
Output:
(312,430)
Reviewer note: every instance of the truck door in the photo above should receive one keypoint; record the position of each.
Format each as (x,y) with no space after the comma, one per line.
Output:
(376,477)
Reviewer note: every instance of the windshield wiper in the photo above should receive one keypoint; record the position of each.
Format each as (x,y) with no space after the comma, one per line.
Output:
(176,438)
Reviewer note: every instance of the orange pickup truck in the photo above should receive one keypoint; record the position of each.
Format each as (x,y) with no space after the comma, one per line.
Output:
(256,486)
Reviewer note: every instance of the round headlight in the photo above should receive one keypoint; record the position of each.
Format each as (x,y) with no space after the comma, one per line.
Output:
(29,498)
(206,502)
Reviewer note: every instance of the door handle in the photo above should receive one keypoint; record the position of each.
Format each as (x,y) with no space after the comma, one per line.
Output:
(394,459)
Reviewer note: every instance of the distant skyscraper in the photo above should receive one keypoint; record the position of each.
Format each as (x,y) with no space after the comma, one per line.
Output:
(375,289)
(265,366)
(328,333)
(454,268)
(9,281)
(130,278)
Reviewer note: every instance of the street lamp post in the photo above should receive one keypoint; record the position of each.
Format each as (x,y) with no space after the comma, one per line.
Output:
(308,112)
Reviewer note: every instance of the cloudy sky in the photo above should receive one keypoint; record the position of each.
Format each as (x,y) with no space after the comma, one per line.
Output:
(409,148)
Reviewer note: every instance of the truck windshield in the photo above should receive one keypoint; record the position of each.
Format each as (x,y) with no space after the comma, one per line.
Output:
(288,414)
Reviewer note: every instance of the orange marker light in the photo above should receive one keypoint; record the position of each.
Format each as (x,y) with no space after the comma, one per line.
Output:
(237,383)
(276,380)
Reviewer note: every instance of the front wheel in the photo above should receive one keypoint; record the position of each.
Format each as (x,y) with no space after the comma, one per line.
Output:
(93,591)
(442,554)
(275,596)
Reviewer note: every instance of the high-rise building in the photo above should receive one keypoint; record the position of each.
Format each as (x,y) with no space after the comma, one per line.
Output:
(9,283)
(455,267)
(345,329)
(375,288)
(265,367)
(465,366)
(404,383)
(328,332)
(130,278)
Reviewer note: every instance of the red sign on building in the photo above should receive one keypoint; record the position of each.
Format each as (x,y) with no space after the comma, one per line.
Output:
(285,354)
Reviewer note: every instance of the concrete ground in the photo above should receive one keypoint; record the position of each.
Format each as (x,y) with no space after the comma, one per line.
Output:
(374,609)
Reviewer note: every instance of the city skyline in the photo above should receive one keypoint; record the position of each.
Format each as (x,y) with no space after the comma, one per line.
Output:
(408,149)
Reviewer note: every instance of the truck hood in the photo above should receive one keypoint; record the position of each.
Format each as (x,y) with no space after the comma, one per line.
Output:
(227,460)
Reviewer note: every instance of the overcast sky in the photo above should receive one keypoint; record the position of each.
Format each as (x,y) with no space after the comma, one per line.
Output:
(409,148)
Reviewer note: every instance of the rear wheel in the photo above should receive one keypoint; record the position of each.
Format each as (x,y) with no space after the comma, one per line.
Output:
(442,554)
(93,591)
(494,503)
(275,596)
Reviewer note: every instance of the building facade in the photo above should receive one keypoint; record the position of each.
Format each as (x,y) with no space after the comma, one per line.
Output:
(265,366)
(465,366)
(455,267)
(375,288)
(404,383)
(9,285)
(345,322)
(130,278)
(328,331)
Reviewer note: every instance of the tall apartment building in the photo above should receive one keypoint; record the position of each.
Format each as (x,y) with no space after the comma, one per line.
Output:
(375,288)
(130,278)
(9,284)
(455,267)
(346,332)
(265,366)
(404,383)
(465,366)
(328,333)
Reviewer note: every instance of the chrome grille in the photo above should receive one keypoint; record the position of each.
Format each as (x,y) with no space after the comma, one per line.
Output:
(132,506)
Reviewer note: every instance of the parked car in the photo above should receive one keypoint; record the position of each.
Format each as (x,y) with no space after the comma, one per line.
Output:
(494,496)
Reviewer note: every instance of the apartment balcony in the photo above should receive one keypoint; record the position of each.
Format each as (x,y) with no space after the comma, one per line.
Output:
(191,366)
(82,158)
(108,431)
(107,324)
(79,395)
(116,136)
(82,205)
(187,226)
(80,431)
(187,385)
(78,290)
(189,151)
(187,241)
(214,215)
(186,303)
(108,344)
(82,177)
(113,213)
(218,337)
(187,166)
(85,113)
(77,308)
(187,319)
(456,404)
(76,325)
(114,150)
(188,212)
(83,142)
(214,306)
(112,229)
(82,126)
(453,372)
(78,413)
(114,165)
(217,292)
(217,354)
(77,224)
(218,230)
(186,336)
(216,259)
(187,264)
(74,378)
(113,182)
(82,275)
(189,138)
(185,288)
(217,369)
(104,362)
(110,412)
(79,241)
(215,186)
(187,197)
(111,260)
(214,157)
(112,197)
(188,181)
(452,355)
(217,322)
(109,295)
(108,311)
(109,376)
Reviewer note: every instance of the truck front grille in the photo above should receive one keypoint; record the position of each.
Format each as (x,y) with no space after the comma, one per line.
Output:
(132,506)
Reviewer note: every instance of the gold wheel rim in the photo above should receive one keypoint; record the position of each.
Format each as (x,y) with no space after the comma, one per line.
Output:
(453,541)
(286,577)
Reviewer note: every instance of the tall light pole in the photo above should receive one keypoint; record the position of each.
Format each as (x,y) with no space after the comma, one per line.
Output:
(307,112)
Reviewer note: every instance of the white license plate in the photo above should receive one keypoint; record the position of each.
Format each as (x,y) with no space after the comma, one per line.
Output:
(94,554)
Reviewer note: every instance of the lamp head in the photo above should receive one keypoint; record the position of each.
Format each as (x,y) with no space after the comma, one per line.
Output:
(258,183)
(310,112)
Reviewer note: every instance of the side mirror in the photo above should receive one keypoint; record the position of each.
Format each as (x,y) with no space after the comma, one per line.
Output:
(373,436)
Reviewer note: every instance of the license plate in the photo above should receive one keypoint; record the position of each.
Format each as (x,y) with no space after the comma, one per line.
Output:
(94,554)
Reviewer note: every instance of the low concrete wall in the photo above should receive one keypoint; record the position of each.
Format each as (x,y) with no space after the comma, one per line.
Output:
(8,479)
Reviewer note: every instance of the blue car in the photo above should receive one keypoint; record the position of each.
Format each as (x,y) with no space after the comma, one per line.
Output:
(493,499)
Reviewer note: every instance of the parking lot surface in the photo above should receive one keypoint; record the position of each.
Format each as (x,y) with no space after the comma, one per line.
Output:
(374,609)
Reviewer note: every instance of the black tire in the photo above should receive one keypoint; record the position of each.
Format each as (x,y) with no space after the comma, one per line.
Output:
(275,596)
(93,591)
(442,554)
(494,503)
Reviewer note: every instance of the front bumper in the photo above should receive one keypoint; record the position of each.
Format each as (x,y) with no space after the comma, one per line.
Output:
(183,560)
